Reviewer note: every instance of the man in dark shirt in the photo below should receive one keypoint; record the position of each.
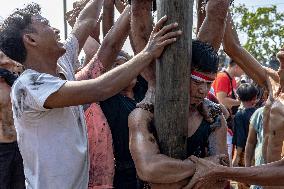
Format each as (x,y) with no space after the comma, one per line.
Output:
(247,94)
(117,109)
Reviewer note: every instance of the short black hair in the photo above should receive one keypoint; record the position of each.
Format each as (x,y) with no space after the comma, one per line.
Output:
(204,57)
(247,92)
(12,30)
(232,63)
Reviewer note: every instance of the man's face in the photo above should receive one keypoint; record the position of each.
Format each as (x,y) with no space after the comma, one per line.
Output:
(238,71)
(200,84)
(46,37)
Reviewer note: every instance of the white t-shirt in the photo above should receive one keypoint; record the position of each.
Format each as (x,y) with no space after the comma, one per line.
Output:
(53,142)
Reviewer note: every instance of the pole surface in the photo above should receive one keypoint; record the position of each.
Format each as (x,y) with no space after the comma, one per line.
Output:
(173,74)
(65,21)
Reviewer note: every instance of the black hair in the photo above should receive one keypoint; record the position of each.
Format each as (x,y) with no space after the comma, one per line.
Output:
(274,63)
(12,30)
(232,63)
(247,92)
(204,57)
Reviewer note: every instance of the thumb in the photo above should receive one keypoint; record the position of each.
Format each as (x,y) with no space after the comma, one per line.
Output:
(194,159)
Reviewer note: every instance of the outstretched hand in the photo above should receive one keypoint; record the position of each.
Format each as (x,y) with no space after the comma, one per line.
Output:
(161,36)
(206,169)
(72,15)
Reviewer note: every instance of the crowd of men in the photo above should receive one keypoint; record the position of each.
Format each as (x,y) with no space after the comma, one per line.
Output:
(71,125)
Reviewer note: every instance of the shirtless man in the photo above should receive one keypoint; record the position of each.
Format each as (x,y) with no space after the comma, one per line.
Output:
(273,113)
(161,171)
(11,163)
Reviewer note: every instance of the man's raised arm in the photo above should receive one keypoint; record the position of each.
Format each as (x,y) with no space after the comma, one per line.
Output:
(87,20)
(74,93)
(243,58)
(111,45)
(213,26)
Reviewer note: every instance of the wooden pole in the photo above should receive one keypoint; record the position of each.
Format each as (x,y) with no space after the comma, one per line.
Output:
(65,21)
(173,74)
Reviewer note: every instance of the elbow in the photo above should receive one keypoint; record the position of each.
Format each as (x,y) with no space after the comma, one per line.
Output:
(147,173)
(222,6)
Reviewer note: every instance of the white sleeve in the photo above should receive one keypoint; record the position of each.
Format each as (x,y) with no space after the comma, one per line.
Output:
(72,52)
(35,90)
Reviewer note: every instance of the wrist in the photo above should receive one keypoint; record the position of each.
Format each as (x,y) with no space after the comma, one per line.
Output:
(221,171)
(147,53)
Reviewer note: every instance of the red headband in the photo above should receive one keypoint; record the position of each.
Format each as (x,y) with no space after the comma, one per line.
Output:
(200,77)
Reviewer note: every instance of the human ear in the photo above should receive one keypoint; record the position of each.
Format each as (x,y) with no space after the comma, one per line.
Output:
(29,39)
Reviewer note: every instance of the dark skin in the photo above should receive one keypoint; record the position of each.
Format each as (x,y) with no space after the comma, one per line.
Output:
(44,49)
(7,130)
(160,170)
(108,16)
(110,47)
(270,174)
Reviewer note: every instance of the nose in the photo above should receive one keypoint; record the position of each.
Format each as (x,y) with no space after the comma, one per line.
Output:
(202,88)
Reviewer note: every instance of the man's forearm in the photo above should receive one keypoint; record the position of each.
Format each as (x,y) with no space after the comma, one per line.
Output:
(89,13)
(115,39)
(168,170)
(75,93)
(108,16)
(229,102)
(87,21)
(245,60)
(265,175)
(249,152)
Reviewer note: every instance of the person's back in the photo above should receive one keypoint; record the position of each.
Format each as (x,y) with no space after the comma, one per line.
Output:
(247,94)
(11,163)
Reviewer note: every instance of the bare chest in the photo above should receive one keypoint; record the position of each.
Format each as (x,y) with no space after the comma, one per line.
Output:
(276,121)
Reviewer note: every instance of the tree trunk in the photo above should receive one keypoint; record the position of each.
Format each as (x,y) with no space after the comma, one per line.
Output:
(173,76)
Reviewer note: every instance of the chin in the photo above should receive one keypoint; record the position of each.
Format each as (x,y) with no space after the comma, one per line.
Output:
(62,51)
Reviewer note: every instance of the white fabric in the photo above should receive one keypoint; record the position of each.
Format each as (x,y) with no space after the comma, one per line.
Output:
(230,145)
(53,142)
(199,78)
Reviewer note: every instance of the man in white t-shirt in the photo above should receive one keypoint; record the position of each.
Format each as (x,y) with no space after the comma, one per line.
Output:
(49,121)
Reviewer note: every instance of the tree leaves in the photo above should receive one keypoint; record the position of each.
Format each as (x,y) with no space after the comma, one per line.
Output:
(264,28)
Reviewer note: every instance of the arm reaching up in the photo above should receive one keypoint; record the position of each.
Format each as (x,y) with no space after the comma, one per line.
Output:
(74,93)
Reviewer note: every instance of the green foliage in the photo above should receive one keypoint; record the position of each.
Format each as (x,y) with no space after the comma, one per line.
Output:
(264,28)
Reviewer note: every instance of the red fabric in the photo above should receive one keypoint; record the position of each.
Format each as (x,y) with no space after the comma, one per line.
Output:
(222,84)
(197,74)
(101,170)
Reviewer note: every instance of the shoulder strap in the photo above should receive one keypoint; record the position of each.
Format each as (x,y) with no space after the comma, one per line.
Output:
(231,85)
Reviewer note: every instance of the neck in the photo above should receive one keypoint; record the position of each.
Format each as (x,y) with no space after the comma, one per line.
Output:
(192,108)
(42,64)
(248,104)
(230,72)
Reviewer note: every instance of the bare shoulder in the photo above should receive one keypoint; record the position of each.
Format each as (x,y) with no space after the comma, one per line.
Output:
(139,117)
